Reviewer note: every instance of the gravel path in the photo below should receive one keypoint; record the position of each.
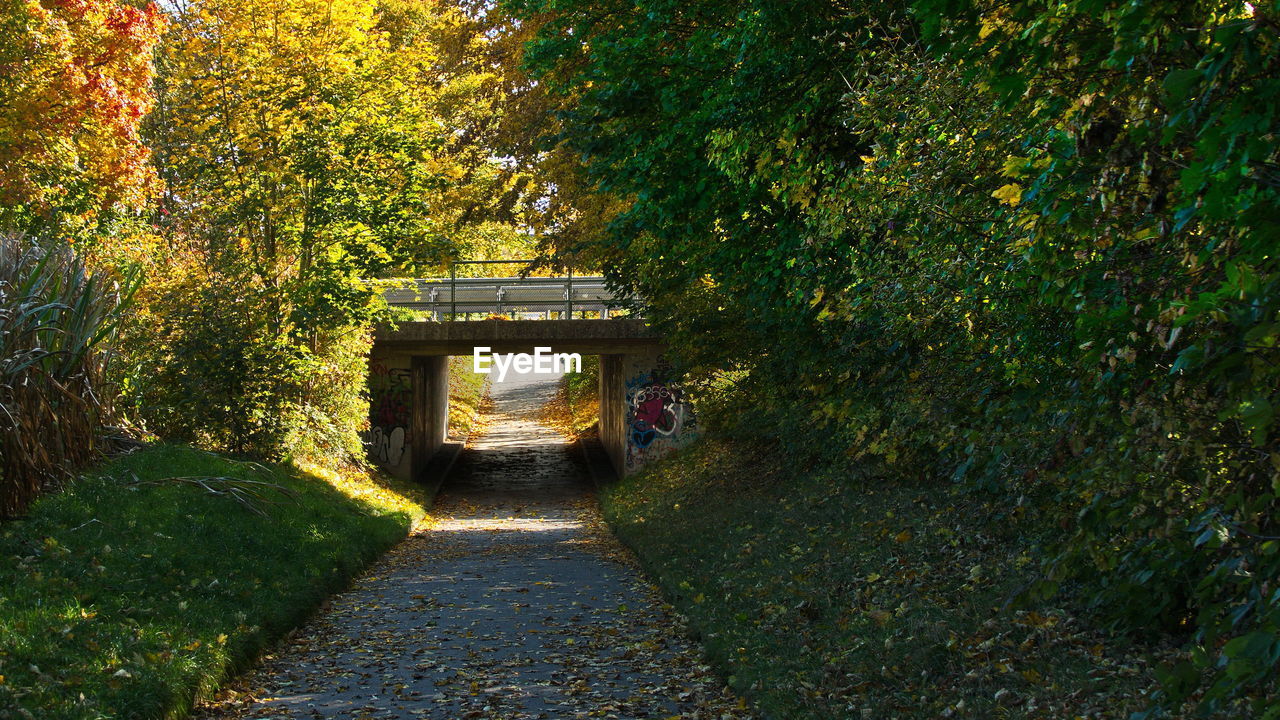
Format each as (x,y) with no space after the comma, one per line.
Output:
(518,603)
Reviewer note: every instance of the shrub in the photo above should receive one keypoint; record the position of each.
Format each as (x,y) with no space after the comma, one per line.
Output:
(56,320)
(219,360)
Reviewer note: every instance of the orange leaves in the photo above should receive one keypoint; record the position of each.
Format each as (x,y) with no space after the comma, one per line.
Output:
(78,82)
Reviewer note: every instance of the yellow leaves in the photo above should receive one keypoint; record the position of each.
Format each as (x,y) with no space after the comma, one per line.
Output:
(1015,167)
(99,53)
(902,537)
(764,161)
(997,22)
(1078,106)
(1020,244)
(805,196)
(1035,619)
(1010,194)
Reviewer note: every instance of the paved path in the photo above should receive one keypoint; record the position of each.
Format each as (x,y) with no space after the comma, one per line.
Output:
(517,604)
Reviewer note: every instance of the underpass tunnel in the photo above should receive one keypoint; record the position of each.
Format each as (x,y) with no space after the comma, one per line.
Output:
(643,414)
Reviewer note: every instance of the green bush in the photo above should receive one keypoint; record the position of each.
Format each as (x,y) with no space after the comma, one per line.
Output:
(1029,250)
(221,363)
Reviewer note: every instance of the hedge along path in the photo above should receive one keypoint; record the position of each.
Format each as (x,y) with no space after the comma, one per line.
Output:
(518,603)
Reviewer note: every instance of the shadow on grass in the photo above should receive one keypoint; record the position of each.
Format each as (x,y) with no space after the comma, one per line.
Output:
(121,598)
(822,596)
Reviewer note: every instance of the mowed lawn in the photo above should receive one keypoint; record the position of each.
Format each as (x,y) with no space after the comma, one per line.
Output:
(137,588)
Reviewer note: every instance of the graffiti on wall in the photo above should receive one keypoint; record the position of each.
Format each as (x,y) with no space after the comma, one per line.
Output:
(659,417)
(390,399)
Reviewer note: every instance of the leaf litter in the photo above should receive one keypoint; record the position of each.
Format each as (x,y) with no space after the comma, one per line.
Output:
(517,603)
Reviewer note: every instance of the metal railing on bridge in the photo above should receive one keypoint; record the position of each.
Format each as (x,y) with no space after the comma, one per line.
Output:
(461,298)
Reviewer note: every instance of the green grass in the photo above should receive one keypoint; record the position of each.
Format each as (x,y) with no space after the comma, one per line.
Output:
(820,596)
(121,599)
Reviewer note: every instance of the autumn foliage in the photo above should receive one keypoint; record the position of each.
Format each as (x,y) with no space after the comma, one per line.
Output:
(304,147)
(76,82)
(258,163)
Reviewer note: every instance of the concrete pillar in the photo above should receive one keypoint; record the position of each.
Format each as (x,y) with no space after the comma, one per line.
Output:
(430,408)
(612,421)
(408,411)
(644,416)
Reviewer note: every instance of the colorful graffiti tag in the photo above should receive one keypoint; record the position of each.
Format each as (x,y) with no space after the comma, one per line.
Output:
(390,396)
(659,419)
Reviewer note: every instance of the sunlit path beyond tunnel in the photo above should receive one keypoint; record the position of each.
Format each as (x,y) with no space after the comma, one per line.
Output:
(518,603)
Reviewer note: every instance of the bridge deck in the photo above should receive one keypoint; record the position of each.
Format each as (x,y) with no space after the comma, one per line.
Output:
(456,298)
(593,337)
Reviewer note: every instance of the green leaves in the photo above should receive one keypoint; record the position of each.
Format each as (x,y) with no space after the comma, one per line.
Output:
(1031,252)
(1179,83)
(1257,415)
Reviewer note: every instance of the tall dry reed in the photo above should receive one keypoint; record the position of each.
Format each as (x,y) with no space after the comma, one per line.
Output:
(56,320)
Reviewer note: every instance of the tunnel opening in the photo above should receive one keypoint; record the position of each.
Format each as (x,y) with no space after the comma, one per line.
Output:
(643,413)
(516,459)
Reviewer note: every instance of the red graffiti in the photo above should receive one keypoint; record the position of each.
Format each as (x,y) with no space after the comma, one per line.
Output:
(653,412)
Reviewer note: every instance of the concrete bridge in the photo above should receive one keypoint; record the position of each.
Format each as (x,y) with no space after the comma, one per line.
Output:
(643,415)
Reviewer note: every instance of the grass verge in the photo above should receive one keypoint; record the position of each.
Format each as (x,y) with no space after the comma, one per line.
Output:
(467,392)
(819,596)
(574,408)
(134,591)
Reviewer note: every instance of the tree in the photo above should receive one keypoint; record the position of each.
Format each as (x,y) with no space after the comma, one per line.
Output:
(76,84)
(545,188)
(305,146)
(1030,249)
